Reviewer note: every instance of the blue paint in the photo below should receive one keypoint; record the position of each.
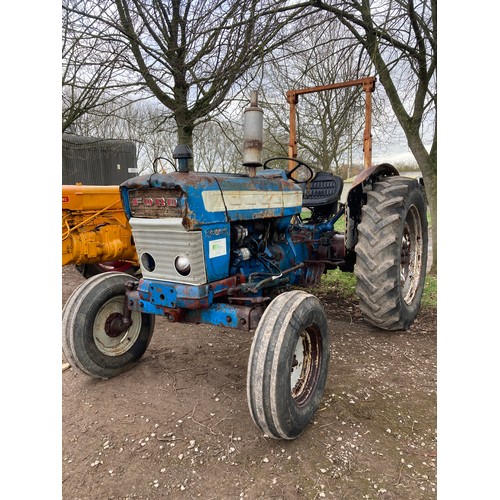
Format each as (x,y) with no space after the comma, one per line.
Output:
(217,314)
(173,295)
(194,184)
(258,244)
(216,247)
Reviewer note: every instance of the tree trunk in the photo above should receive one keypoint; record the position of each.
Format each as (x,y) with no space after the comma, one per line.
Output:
(427,162)
(185,132)
(428,167)
(185,136)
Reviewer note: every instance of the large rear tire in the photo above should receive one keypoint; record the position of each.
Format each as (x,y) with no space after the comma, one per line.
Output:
(391,253)
(89,341)
(288,365)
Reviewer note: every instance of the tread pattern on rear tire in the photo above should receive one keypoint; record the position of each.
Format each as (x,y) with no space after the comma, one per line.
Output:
(378,253)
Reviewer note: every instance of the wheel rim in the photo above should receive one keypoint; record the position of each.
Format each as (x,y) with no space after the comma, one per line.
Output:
(306,363)
(411,255)
(115,344)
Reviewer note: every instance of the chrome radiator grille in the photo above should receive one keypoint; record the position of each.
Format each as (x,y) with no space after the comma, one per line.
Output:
(164,240)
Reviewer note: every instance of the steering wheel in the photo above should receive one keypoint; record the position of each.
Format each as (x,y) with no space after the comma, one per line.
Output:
(290,172)
(156,161)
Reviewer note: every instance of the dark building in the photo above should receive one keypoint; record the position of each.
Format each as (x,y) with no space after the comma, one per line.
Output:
(98,162)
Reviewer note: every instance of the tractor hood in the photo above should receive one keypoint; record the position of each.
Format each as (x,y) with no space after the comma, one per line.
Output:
(201,198)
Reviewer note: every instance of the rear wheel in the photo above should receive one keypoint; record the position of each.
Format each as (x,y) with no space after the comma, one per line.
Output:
(288,365)
(91,341)
(391,253)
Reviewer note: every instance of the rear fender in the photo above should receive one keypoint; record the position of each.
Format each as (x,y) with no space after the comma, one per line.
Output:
(356,198)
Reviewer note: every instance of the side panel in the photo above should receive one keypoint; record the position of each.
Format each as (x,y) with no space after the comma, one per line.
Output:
(216,248)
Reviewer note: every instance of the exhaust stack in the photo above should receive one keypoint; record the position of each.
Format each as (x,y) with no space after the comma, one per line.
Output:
(253,119)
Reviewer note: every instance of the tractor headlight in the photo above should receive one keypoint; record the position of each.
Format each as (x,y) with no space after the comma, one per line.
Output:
(148,262)
(182,265)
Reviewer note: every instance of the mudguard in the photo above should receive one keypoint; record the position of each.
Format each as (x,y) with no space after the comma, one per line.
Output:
(356,198)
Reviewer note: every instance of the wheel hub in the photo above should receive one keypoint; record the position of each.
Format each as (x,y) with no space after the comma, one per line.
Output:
(112,336)
(405,254)
(114,326)
(411,255)
(305,365)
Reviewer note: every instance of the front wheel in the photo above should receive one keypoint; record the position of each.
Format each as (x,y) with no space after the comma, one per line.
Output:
(288,365)
(91,342)
(391,253)
(89,270)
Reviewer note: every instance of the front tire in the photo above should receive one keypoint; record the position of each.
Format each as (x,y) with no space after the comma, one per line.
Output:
(89,270)
(89,342)
(288,365)
(391,253)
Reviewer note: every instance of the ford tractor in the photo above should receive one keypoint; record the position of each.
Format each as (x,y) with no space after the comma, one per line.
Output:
(236,251)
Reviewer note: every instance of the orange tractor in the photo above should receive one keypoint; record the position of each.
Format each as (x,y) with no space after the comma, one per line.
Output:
(96,236)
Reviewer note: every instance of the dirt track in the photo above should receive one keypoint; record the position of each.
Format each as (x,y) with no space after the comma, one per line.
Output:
(178,424)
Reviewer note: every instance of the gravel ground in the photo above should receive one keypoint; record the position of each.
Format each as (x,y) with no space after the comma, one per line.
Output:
(177,425)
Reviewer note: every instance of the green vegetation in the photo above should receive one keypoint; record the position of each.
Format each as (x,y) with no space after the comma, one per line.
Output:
(340,224)
(345,284)
(429,298)
(339,281)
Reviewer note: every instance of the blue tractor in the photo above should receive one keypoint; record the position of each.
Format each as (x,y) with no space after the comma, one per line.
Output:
(235,251)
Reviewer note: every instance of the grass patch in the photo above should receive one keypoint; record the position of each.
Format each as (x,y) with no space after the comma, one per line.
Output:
(338,226)
(429,297)
(340,281)
(345,284)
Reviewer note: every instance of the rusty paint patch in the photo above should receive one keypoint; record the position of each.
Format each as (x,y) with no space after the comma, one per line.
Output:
(384,169)
(155,203)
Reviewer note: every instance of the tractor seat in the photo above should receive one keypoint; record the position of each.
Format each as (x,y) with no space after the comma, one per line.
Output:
(324,189)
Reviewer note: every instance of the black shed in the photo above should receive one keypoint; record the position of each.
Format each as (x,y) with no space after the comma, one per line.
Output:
(97,162)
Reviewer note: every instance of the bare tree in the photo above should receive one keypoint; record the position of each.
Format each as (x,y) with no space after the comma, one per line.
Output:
(329,122)
(142,122)
(218,145)
(189,53)
(401,40)
(91,71)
